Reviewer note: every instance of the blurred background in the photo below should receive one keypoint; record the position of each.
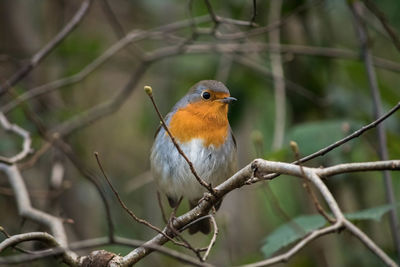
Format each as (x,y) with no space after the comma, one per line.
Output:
(325,99)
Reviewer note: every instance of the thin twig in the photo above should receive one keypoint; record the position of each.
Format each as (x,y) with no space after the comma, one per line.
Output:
(254,15)
(261,30)
(27,211)
(164,217)
(50,46)
(384,21)
(117,27)
(366,53)
(213,239)
(56,141)
(238,180)
(307,185)
(290,85)
(7,235)
(164,125)
(26,145)
(336,144)
(35,157)
(123,205)
(211,12)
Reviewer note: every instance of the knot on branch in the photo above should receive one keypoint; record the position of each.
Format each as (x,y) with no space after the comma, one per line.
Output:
(98,258)
(254,167)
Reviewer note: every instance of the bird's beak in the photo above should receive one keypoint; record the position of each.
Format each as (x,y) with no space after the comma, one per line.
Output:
(228,99)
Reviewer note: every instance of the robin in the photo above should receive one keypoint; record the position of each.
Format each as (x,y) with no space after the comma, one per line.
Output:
(199,123)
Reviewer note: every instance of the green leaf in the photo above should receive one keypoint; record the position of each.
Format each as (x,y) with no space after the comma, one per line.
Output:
(311,136)
(291,232)
(301,226)
(375,213)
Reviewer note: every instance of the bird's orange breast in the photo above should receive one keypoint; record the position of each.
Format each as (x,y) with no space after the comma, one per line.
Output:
(206,120)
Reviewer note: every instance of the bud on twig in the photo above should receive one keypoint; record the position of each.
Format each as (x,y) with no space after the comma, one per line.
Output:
(148,90)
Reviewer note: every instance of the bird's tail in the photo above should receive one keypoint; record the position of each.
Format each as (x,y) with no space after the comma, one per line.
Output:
(203,226)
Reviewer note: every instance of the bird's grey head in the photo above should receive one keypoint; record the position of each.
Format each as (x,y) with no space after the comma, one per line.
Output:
(209,90)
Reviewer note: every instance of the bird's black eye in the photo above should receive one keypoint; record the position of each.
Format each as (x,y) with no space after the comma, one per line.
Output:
(206,95)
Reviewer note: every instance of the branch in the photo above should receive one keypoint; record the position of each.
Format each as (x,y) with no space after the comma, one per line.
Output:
(258,167)
(290,85)
(213,239)
(384,21)
(42,53)
(277,24)
(32,236)
(27,141)
(254,15)
(256,47)
(26,210)
(102,109)
(125,207)
(99,242)
(360,167)
(367,58)
(132,37)
(286,256)
(338,143)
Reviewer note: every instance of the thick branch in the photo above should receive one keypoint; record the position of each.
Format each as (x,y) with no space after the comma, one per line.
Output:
(26,210)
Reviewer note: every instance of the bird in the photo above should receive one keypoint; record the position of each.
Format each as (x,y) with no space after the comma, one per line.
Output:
(199,123)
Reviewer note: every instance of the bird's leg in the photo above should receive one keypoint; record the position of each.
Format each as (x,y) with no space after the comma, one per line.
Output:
(172,217)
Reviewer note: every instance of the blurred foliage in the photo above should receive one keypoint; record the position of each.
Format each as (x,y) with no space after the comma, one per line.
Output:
(249,215)
(302,226)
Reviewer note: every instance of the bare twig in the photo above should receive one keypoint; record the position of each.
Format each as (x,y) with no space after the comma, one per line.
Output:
(307,185)
(209,187)
(254,15)
(357,167)
(290,85)
(256,47)
(42,53)
(57,142)
(102,109)
(117,27)
(335,53)
(276,24)
(112,18)
(213,239)
(32,236)
(97,242)
(26,210)
(384,21)
(35,157)
(132,37)
(7,235)
(366,53)
(338,143)
(239,179)
(164,217)
(27,141)
(211,12)
(123,205)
